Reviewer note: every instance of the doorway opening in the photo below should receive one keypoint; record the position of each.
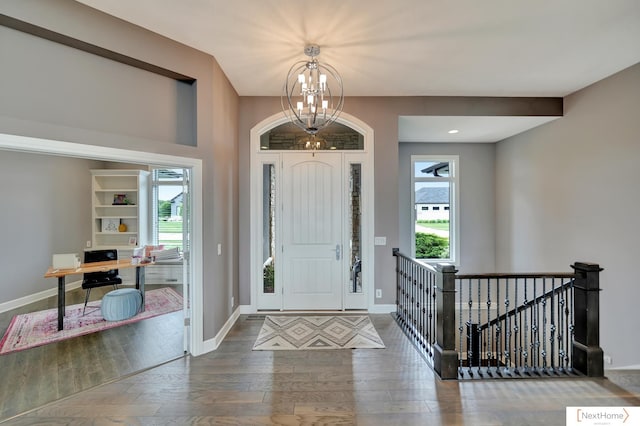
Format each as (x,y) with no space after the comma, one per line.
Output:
(194,341)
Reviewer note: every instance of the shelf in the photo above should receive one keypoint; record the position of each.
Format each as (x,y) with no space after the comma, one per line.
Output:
(116,233)
(135,185)
(116,217)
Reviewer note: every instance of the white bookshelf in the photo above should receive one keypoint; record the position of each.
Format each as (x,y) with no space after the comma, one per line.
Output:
(120,197)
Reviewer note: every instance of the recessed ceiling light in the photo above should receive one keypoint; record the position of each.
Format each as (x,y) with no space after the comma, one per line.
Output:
(452,131)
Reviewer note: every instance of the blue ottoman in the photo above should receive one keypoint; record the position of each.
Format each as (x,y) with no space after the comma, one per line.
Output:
(121,304)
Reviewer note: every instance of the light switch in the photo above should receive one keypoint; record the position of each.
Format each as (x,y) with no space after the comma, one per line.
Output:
(219,249)
(380,241)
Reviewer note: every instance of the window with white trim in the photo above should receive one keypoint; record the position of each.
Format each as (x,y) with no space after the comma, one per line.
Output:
(435,230)
(168,189)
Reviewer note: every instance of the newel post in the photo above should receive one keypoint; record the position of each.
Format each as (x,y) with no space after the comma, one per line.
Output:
(587,353)
(445,357)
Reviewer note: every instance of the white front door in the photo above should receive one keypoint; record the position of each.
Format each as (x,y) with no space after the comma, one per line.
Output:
(312,246)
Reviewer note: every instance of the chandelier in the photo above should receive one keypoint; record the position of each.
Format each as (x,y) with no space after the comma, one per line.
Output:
(313,143)
(312,96)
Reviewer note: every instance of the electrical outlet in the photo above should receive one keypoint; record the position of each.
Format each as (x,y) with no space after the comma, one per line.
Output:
(607,359)
(232,300)
(88,243)
(378,293)
(219,249)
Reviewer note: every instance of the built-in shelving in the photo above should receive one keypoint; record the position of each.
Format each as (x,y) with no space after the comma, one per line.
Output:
(119,197)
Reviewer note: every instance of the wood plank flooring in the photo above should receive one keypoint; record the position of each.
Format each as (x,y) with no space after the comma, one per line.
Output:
(237,386)
(34,377)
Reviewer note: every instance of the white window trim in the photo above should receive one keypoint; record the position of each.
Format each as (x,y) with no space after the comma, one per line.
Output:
(155,186)
(454,205)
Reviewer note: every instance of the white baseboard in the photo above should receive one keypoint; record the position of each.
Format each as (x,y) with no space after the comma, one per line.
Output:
(16,303)
(382,309)
(212,344)
(246,310)
(625,367)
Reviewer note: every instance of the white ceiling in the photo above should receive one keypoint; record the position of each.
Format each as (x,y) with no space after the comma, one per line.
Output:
(406,48)
(470,129)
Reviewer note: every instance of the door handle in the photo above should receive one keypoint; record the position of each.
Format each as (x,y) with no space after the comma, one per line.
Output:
(337,250)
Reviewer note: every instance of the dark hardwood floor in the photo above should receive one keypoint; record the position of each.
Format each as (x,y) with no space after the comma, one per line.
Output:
(34,377)
(235,385)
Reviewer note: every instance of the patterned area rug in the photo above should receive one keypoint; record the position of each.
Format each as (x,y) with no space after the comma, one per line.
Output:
(317,332)
(40,328)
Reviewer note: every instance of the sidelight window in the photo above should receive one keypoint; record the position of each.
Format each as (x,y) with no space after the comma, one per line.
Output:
(269,228)
(355,220)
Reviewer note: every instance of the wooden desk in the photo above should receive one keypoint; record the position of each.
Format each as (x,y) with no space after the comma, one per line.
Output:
(61,274)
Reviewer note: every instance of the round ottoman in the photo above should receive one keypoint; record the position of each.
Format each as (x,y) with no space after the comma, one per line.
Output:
(121,304)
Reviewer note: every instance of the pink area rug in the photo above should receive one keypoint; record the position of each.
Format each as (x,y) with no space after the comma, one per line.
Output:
(40,328)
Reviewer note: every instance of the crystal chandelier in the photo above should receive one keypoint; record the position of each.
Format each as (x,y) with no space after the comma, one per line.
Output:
(312,96)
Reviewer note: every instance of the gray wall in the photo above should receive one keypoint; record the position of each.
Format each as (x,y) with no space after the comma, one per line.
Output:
(477,200)
(381,113)
(46,209)
(66,86)
(569,191)
(90,100)
(580,171)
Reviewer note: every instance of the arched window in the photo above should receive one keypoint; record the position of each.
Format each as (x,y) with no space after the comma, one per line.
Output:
(289,137)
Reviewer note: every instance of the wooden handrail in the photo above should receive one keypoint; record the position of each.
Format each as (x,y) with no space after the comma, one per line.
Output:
(569,275)
(530,303)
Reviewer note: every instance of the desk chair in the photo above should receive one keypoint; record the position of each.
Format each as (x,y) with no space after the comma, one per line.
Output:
(99,279)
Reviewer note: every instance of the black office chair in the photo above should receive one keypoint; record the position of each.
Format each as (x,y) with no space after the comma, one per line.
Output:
(99,279)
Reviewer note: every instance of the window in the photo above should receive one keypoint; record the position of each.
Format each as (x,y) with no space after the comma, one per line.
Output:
(334,137)
(268,228)
(355,220)
(168,193)
(434,182)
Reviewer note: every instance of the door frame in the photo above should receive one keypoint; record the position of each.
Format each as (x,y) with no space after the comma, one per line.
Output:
(364,300)
(195,344)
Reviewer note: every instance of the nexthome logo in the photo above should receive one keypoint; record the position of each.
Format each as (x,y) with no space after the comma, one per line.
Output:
(603,416)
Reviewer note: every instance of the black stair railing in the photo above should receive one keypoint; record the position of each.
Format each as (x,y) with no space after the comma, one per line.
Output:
(416,303)
(563,288)
(501,325)
(515,324)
